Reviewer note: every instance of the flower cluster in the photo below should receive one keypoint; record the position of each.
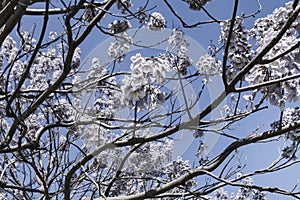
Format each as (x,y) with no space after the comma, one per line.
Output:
(157,22)
(177,63)
(27,41)
(239,52)
(105,92)
(181,61)
(176,37)
(196,4)
(119,26)
(119,47)
(265,29)
(178,168)
(46,69)
(9,50)
(289,117)
(208,67)
(141,89)
(89,14)
(63,110)
(151,158)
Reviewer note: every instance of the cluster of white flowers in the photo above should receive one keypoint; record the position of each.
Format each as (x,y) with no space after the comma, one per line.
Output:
(157,22)
(96,70)
(46,69)
(147,74)
(52,35)
(27,42)
(151,158)
(265,29)
(239,52)
(177,168)
(9,50)
(105,103)
(181,61)
(89,14)
(17,69)
(33,123)
(176,37)
(119,26)
(208,67)
(94,136)
(289,117)
(196,4)
(63,110)
(4,128)
(119,47)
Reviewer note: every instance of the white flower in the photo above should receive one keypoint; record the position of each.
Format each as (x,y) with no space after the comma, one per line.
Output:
(157,22)
(119,26)
(196,4)
(119,47)
(176,37)
(52,35)
(27,41)
(208,67)
(239,52)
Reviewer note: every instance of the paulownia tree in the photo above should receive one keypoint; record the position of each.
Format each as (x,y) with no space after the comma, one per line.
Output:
(64,134)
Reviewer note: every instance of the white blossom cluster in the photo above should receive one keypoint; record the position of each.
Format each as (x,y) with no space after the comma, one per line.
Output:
(196,4)
(151,158)
(265,29)
(105,87)
(4,128)
(27,42)
(141,89)
(45,70)
(289,117)
(47,66)
(177,63)
(157,22)
(176,37)
(33,123)
(239,52)
(177,168)
(119,26)
(119,47)
(63,110)
(89,14)
(94,136)
(208,67)
(181,61)
(9,50)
